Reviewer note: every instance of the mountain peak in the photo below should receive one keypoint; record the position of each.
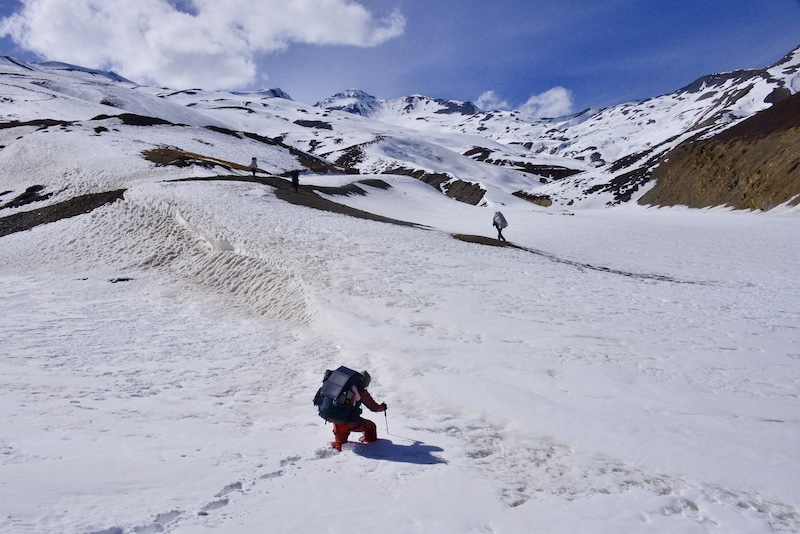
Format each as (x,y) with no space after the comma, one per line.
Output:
(792,59)
(353,101)
(276,92)
(355,93)
(445,107)
(57,65)
(361,103)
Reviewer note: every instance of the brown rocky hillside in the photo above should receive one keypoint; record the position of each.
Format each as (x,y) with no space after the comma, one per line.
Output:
(753,165)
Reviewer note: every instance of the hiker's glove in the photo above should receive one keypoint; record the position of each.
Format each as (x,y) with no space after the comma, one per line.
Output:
(383,406)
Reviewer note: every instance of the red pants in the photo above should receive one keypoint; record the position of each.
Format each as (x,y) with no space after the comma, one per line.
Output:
(342,431)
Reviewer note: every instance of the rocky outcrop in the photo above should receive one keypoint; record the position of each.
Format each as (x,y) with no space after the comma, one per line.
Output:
(754,165)
(467,192)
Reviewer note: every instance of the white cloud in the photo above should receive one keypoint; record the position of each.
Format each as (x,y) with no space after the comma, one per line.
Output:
(189,43)
(552,103)
(489,101)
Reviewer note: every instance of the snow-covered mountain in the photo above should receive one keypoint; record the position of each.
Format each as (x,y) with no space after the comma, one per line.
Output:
(595,157)
(594,147)
(354,101)
(413,107)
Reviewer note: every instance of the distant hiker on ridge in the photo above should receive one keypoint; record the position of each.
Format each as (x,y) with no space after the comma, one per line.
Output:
(295,180)
(339,401)
(499,222)
(254,166)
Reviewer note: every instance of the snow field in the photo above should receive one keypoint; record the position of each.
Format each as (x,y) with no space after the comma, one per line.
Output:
(76,159)
(160,371)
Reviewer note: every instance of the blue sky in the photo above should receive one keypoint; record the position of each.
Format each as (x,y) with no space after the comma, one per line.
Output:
(598,53)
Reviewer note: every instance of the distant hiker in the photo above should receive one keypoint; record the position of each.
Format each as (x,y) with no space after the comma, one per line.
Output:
(295,180)
(254,165)
(499,222)
(339,401)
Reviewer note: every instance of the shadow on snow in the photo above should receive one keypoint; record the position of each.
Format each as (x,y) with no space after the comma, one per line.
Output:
(415,453)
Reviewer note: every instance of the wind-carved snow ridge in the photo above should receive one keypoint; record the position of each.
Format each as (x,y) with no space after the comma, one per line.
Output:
(145,232)
(216,244)
(261,280)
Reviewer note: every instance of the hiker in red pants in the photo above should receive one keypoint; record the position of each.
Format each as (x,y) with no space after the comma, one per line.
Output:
(356,423)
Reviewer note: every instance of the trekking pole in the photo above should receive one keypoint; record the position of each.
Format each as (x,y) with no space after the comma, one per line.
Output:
(386,417)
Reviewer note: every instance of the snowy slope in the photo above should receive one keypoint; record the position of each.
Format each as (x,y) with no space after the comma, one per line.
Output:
(352,140)
(612,370)
(59,91)
(592,158)
(606,143)
(632,370)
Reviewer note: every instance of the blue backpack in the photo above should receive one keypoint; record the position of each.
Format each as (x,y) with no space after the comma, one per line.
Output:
(335,399)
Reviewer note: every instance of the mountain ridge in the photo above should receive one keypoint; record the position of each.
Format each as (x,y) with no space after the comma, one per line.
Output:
(591,158)
(753,165)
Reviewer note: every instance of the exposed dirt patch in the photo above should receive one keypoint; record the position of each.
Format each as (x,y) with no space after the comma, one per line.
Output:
(630,159)
(375,182)
(625,185)
(55,212)
(309,161)
(224,131)
(479,153)
(165,156)
(240,108)
(483,240)
(351,157)
(41,123)
(131,119)
(754,165)
(467,192)
(321,125)
(540,200)
(552,172)
(181,158)
(308,195)
(33,194)
(313,200)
